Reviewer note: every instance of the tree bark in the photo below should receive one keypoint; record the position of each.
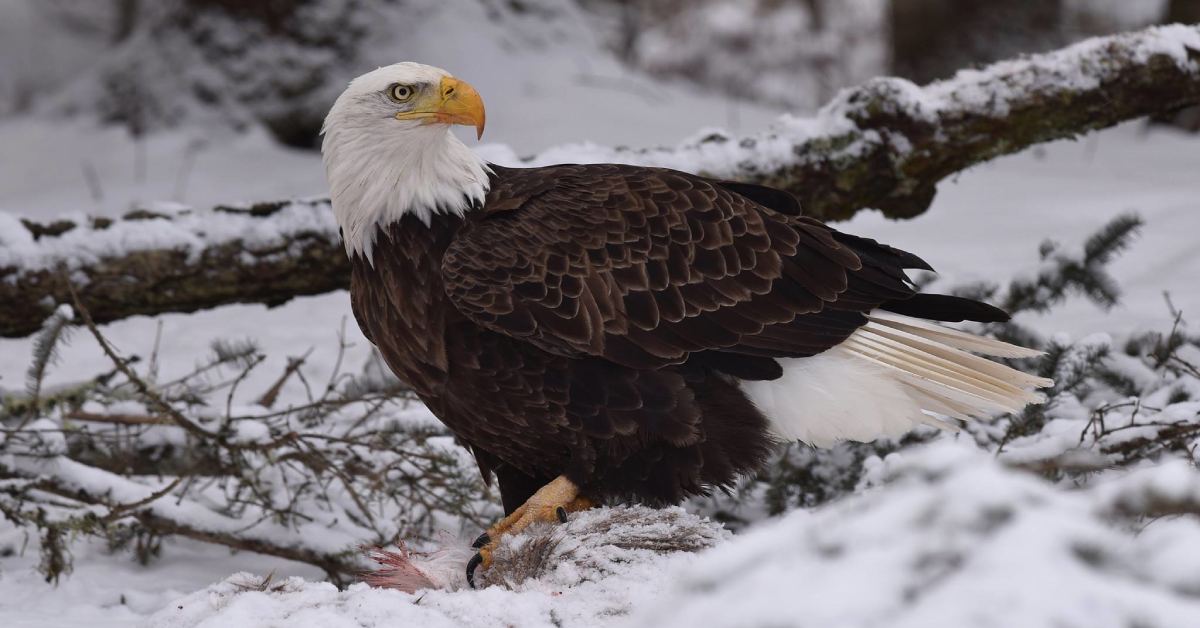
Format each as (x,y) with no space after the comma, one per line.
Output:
(883,145)
(1183,12)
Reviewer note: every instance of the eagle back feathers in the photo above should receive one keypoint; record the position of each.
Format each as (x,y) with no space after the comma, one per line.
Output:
(646,266)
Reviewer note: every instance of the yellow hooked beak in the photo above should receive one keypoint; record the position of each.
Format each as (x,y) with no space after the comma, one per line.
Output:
(455,102)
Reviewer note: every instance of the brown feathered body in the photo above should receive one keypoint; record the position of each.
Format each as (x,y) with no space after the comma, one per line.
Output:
(596,321)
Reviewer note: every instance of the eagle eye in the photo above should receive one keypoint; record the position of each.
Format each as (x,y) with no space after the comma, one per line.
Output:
(400,93)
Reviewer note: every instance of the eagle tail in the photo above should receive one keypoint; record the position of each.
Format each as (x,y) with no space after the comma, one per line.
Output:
(892,374)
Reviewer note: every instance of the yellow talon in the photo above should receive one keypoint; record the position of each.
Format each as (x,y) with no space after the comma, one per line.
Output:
(549,504)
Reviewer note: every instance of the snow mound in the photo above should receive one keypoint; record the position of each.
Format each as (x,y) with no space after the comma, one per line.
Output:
(595,569)
(951,537)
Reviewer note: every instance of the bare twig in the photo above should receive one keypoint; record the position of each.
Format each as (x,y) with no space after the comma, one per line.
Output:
(267,400)
(141,386)
(118,419)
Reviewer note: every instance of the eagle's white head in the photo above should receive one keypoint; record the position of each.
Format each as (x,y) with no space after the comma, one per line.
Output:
(388,150)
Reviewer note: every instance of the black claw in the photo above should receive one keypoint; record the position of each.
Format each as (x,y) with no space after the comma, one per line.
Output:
(562,514)
(471,565)
(483,539)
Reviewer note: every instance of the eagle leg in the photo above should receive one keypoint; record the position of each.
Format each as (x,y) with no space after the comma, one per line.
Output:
(549,504)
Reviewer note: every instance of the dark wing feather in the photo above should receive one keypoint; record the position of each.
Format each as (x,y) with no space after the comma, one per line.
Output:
(645,266)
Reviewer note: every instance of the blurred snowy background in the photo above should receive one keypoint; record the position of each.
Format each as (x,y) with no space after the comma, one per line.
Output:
(107,106)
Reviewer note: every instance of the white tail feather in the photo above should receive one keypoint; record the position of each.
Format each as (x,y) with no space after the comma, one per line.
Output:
(891,375)
(953,337)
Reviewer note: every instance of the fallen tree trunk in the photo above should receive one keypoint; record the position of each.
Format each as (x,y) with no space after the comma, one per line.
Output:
(883,145)
(150,263)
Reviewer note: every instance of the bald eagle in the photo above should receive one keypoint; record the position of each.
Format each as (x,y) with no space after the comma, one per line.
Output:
(609,332)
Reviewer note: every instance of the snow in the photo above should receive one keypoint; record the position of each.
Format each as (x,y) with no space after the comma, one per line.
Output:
(178,228)
(599,567)
(941,535)
(990,90)
(950,537)
(106,591)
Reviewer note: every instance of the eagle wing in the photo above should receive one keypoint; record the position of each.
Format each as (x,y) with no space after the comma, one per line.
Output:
(646,267)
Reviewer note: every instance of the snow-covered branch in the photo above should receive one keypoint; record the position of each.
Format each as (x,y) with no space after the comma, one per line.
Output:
(884,145)
(169,260)
(887,143)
